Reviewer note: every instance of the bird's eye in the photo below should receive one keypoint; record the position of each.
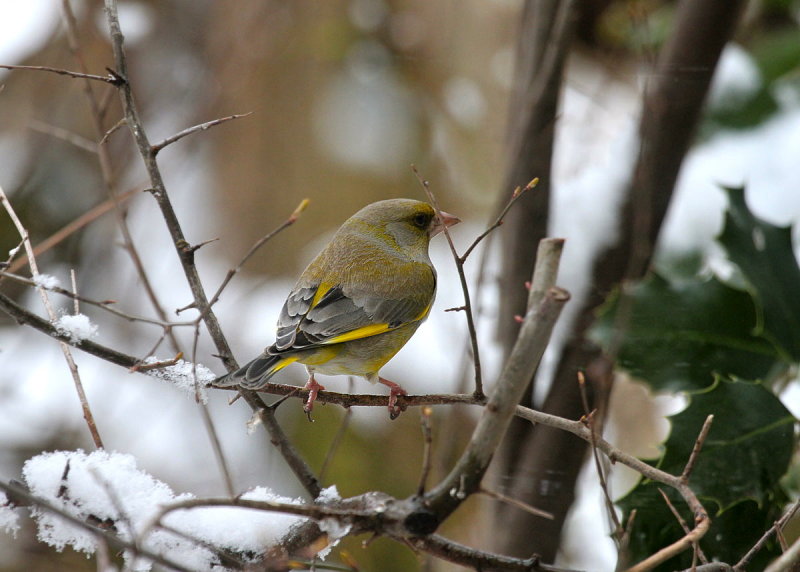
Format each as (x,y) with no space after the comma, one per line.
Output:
(420,220)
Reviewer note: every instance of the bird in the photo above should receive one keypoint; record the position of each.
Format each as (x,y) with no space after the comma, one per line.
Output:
(358,302)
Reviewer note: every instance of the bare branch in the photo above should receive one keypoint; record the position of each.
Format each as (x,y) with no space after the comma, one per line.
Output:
(104,78)
(515,196)
(156,147)
(774,529)
(17,492)
(473,335)
(534,335)
(698,445)
(73,368)
(427,439)
(74,226)
(258,244)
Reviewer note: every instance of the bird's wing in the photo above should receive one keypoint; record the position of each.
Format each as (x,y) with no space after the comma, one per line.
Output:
(322,314)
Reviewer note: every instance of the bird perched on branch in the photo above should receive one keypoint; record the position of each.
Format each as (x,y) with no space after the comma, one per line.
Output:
(358,302)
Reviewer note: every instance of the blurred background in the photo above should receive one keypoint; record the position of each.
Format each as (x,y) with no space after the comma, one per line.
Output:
(345,96)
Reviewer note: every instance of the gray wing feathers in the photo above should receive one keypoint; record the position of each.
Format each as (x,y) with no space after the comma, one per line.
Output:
(336,313)
(252,375)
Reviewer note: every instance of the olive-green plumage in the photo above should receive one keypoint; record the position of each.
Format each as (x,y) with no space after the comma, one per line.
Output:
(360,299)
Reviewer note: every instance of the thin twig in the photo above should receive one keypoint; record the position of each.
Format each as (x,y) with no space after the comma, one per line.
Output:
(258,244)
(686,530)
(97,114)
(701,520)
(105,305)
(774,529)
(73,368)
(74,226)
(473,335)
(515,196)
(589,417)
(334,447)
(64,134)
(104,78)
(113,540)
(156,147)
(698,445)
(534,335)
(427,439)
(514,502)
(289,452)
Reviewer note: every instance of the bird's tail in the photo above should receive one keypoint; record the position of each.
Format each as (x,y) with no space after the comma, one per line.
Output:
(255,374)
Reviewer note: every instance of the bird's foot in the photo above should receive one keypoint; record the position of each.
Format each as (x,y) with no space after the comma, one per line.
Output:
(394,391)
(313,389)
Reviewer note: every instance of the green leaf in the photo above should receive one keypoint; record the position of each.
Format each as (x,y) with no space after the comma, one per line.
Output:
(764,254)
(747,450)
(736,476)
(726,541)
(678,335)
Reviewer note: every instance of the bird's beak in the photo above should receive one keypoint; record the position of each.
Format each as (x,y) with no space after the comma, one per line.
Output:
(440,223)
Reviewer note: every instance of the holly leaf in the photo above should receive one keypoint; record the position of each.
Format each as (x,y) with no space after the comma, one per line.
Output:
(655,527)
(748,448)
(677,335)
(736,475)
(763,252)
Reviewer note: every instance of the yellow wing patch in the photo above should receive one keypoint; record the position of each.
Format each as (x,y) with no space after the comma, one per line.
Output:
(358,333)
(283,363)
(322,289)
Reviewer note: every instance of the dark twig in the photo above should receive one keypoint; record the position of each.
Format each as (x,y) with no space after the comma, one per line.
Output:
(686,530)
(290,454)
(590,418)
(698,445)
(258,244)
(97,114)
(774,529)
(158,189)
(73,227)
(427,439)
(104,78)
(156,147)
(73,368)
(473,335)
(18,492)
(102,304)
(478,559)
(534,335)
(337,440)
(519,504)
(515,196)
(701,520)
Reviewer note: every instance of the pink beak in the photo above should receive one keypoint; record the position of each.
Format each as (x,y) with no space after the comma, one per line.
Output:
(446,220)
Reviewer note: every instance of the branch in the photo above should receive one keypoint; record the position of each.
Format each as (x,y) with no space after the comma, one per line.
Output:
(478,559)
(158,189)
(18,492)
(104,78)
(702,521)
(201,127)
(467,307)
(544,307)
(73,227)
(73,368)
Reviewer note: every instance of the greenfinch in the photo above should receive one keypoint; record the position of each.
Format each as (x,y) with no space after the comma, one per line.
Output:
(358,302)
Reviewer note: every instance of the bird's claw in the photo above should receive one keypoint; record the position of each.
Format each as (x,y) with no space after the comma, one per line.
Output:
(394,390)
(313,389)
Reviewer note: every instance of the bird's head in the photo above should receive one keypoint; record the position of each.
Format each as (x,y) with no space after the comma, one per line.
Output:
(408,223)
